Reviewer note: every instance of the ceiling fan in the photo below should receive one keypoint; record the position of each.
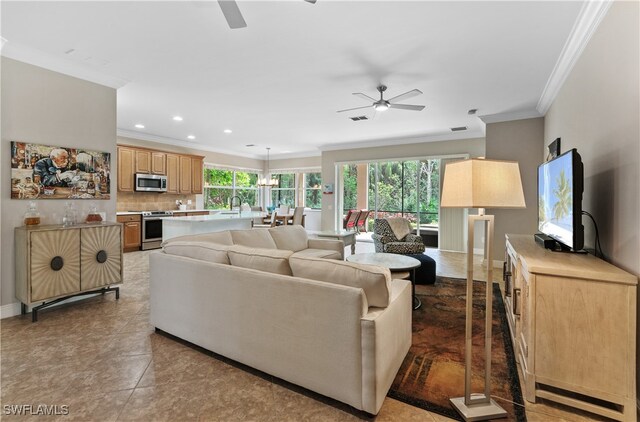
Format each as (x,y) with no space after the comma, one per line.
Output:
(233,15)
(382,104)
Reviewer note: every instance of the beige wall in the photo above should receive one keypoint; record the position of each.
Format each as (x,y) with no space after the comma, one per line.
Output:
(46,107)
(521,141)
(597,111)
(474,147)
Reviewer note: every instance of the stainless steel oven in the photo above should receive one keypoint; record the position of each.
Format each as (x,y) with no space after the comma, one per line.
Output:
(152,228)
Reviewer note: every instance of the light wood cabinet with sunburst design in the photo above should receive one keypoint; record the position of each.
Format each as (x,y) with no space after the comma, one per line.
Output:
(55,262)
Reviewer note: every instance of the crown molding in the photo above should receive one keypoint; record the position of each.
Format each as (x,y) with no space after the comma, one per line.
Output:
(59,64)
(385,142)
(585,26)
(510,116)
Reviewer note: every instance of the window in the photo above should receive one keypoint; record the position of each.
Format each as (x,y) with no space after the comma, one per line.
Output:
(313,190)
(285,192)
(220,185)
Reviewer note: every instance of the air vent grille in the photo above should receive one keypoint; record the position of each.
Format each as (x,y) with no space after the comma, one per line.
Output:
(250,145)
(355,119)
(458,129)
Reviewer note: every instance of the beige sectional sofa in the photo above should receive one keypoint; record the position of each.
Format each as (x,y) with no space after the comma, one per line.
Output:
(287,305)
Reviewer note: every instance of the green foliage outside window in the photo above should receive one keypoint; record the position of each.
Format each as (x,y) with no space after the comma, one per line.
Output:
(397,186)
(219,187)
(313,190)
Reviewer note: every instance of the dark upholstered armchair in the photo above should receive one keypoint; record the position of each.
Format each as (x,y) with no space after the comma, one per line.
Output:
(385,239)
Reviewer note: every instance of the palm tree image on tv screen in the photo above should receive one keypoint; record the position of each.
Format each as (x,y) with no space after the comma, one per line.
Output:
(555,199)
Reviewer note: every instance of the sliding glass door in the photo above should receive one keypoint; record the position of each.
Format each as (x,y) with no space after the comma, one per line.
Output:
(409,189)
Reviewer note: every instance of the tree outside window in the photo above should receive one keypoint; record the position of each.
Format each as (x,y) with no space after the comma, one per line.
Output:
(221,185)
(313,190)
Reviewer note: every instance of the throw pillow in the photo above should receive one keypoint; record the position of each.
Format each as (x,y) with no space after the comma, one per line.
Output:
(291,238)
(374,280)
(206,251)
(270,260)
(253,238)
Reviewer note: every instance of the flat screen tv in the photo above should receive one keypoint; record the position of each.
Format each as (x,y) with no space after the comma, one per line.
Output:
(560,187)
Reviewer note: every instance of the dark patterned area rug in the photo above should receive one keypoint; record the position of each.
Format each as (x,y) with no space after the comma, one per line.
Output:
(433,370)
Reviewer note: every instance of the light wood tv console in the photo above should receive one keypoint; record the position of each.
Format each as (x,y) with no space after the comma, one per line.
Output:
(572,320)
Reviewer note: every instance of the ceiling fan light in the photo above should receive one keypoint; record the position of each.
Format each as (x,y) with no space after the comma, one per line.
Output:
(381,106)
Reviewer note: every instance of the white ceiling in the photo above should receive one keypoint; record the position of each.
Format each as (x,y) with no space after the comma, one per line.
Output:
(280,81)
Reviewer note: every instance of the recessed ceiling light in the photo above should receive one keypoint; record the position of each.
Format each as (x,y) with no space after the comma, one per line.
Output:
(191,137)
(139,126)
(227,131)
(177,118)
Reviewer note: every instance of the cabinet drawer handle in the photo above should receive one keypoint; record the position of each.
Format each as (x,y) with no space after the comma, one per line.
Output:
(516,301)
(101,256)
(57,263)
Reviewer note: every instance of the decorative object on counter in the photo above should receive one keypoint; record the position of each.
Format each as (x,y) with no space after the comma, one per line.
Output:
(93,216)
(32,216)
(70,217)
(51,172)
(181,206)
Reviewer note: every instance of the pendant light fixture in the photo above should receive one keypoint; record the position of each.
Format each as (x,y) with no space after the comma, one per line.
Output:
(264,182)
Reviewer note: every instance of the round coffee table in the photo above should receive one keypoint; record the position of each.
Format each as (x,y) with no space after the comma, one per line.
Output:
(394,262)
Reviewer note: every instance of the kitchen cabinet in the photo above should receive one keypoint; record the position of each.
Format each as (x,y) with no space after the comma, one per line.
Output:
(56,262)
(172,173)
(184,172)
(158,160)
(196,175)
(572,319)
(132,231)
(126,169)
(185,175)
(143,161)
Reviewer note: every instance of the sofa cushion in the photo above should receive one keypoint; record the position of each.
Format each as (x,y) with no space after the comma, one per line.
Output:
(206,251)
(318,253)
(374,280)
(221,238)
(291,238)
(269,260)
(253,238)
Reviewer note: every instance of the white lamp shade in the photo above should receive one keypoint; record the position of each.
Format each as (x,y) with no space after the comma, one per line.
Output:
(480,183)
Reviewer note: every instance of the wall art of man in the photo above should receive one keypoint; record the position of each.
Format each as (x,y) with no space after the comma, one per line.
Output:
(51,170)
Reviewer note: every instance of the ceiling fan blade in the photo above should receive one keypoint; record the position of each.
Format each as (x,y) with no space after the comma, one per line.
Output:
(311,1)
(232,14)
(407,107)
(406,95)
(350,109)
(364,97)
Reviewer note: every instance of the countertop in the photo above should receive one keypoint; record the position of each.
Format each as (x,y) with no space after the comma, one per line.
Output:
(140,212)
(246,215)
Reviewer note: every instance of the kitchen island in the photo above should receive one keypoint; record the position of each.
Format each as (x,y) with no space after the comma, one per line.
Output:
(197,224)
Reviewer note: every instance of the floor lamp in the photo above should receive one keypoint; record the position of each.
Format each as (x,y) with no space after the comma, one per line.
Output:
(480,183)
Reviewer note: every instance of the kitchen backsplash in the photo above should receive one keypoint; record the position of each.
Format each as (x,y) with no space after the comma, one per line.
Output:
(150,201)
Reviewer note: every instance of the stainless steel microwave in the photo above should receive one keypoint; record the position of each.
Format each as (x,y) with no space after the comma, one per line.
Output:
(150,183)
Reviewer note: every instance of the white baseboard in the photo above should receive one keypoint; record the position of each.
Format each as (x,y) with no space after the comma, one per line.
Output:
(12,309)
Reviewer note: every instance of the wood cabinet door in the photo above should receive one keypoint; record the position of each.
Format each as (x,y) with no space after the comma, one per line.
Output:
(185,174)
(158,160)
(126,169)
(55,263)
(143,161)
(100,257)
(196,179)
(132,234)
(173,177)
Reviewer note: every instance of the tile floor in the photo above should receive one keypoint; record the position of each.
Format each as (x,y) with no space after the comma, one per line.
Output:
(102,359)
